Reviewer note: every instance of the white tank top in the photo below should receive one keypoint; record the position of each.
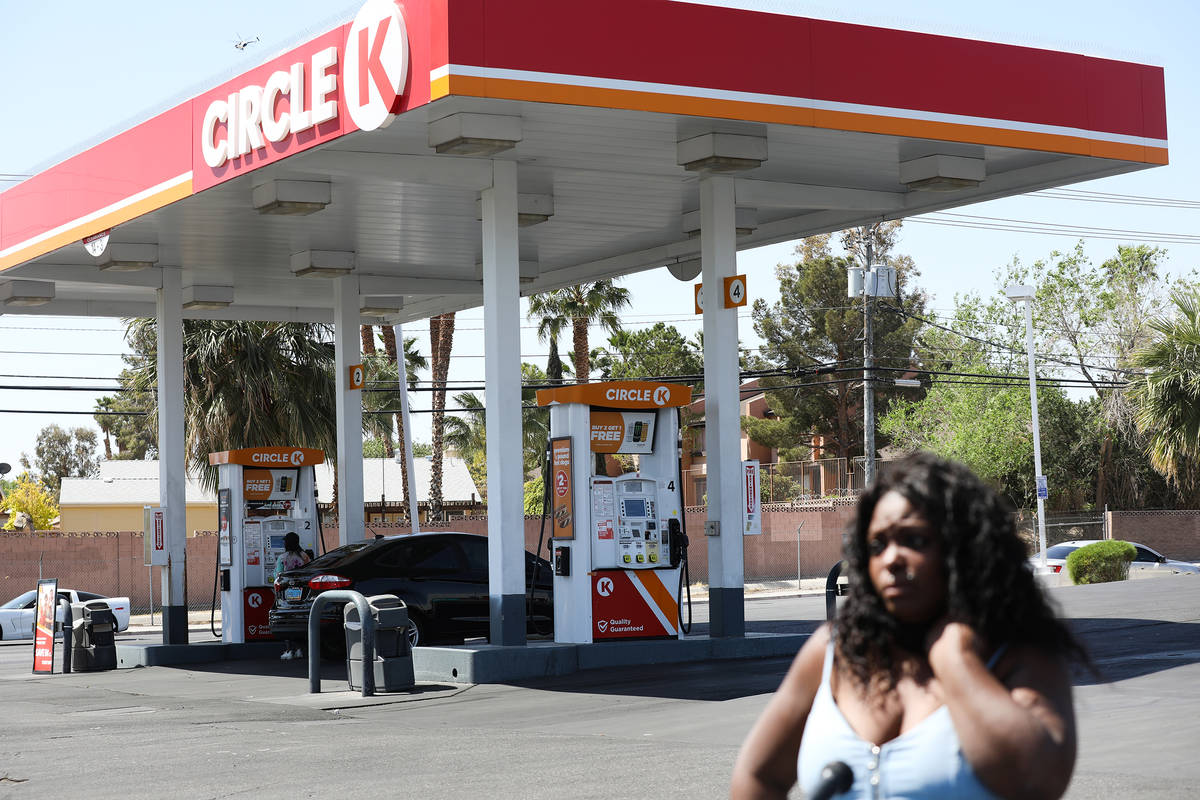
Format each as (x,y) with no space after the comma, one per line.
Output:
(924,763)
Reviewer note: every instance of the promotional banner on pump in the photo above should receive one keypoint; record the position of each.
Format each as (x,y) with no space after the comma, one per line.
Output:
(623,432)
(561,501)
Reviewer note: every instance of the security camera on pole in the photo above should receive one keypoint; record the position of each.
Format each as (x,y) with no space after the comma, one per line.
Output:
(868,283)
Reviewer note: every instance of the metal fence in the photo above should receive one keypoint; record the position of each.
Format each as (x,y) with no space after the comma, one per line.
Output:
(1061,526)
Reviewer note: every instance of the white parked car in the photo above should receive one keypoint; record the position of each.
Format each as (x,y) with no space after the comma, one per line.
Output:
(16,616)
(1148,563)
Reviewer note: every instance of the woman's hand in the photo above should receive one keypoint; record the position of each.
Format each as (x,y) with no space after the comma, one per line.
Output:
(1016,726)
(948,642)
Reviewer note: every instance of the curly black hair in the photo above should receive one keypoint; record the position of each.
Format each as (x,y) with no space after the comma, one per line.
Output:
(989,585)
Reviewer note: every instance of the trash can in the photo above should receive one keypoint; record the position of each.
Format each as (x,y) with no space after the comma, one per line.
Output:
(393,656)
(93,646)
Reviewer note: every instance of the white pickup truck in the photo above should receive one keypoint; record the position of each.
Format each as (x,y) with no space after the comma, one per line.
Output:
(16,616)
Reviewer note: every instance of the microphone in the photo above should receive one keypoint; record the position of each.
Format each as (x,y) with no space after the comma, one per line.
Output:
(836,778)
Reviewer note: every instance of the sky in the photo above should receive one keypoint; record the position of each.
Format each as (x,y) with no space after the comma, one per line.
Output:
(79,72)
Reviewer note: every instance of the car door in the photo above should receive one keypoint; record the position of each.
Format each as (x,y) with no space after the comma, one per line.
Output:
(1146,563)
(472,604)
(16,618)
(23,619)
(433,567)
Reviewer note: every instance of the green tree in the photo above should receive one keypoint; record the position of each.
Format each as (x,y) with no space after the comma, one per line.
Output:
(1090,320)
(466,434)
(814,323)
(247,384)
(127,418)
(60,453)
(535,496)
(582,305)
(1166,396)
(658,351)
(30,497)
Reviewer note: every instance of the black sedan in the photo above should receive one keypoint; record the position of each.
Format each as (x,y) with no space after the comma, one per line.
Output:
(442,578)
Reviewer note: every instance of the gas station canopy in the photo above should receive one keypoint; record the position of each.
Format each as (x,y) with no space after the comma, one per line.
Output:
(366,149)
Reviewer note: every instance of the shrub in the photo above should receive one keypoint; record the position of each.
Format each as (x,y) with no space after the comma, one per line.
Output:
(1101,562)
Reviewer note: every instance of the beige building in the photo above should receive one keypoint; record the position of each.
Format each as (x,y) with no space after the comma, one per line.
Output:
(114,499)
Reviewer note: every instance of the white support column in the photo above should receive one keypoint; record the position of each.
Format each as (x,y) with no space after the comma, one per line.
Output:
(347,352)
(502,397)
(722,417)
(172,458)
(414,502)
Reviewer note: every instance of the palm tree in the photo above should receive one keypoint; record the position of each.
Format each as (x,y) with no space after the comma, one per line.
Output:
(583,304)
(551,322)
(1166,396)
(466,432)
(247,384)
(441,339)
(105,421)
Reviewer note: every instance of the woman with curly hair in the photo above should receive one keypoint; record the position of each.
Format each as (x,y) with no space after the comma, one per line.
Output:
(945,674)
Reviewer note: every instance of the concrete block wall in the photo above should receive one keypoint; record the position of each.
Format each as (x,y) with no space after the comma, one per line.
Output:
(1175,534)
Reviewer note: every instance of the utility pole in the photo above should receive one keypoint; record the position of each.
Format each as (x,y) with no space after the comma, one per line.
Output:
(868,362)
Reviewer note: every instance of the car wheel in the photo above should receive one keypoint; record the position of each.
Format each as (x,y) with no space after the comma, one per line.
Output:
(416,631)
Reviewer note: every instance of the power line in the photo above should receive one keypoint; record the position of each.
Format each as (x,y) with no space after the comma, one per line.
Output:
(1085,195)
(998,345)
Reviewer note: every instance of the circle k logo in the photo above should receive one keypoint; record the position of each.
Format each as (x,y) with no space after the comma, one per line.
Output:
(254,600)
(661,395)
(297,458)
(604,587)
(376,66)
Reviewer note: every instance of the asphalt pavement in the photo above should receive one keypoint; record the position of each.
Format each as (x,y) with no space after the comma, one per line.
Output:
(251,728)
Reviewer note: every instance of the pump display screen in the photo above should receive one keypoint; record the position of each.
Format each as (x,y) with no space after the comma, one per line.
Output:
(634,508)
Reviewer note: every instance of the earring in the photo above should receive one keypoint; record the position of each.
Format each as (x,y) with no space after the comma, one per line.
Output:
(910,575)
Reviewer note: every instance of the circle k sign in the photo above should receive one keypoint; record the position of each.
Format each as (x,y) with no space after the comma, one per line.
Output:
(376,66)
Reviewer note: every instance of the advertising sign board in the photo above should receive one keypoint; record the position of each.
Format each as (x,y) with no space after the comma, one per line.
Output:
(751,498)
(43,629)
(154,536)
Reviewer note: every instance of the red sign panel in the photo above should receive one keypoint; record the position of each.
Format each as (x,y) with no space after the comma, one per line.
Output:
(256,605)
(627,604)
(43,632)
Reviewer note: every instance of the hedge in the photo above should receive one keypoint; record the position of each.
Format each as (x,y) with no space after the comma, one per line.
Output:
(1101,562)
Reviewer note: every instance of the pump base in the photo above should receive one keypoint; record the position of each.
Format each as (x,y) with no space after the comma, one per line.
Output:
(485,663)
(508,626)
(727,611)
(175,625)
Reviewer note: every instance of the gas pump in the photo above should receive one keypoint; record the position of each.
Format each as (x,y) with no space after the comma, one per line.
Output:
(264,493)
(618,541)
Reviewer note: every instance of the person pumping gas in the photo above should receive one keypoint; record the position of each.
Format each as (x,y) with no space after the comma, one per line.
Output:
(291,558)
(945,672)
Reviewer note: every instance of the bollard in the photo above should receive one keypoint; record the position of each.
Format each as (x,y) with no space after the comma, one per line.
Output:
(314,637)
(68,625)
(831,591)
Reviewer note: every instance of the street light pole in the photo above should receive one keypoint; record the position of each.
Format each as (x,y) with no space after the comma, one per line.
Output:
(869,290)
(1026,293)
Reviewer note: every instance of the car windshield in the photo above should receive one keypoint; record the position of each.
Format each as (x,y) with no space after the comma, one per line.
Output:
(339,555)
(1061,550)
(21,600)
